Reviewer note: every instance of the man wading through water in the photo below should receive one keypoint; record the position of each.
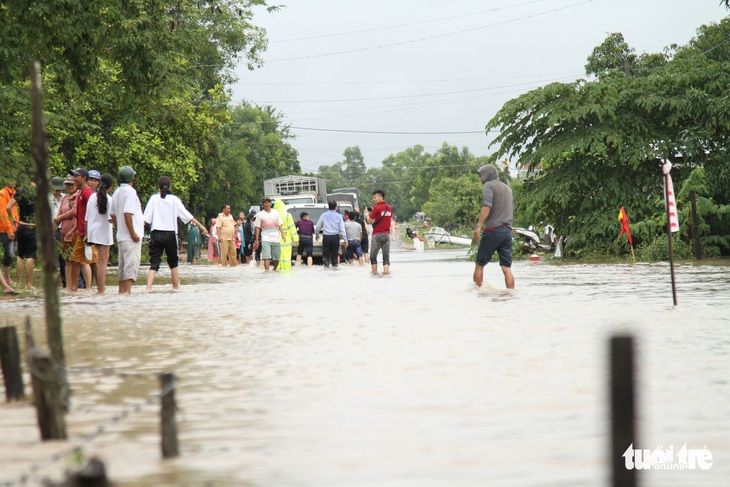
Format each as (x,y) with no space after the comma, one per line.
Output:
(494,227)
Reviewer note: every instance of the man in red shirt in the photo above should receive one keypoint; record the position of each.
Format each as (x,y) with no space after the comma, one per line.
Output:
(380,219)
(79,260)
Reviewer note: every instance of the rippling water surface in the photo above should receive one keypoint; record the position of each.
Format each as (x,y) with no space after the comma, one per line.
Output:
(319,378)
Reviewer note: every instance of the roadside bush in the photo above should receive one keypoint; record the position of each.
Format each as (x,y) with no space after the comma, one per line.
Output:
(658,250)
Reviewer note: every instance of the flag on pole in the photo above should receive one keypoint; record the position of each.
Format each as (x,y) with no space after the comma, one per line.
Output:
(672,209)
(624,219)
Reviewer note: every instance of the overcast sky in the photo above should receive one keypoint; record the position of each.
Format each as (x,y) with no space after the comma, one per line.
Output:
(430,67)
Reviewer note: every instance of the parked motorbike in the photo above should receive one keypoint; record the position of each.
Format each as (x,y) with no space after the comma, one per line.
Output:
(531,242)
(411,233)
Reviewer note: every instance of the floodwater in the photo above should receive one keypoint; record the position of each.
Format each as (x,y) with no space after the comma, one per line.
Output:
(339,378)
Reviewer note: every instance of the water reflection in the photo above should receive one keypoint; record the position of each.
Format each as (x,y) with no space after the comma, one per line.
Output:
(339,378)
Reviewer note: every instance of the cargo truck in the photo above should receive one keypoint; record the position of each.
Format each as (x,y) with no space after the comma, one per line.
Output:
(296,190)
(347,199)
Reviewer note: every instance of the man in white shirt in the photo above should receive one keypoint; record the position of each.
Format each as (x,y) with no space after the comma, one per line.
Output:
(267,224)
(126,212)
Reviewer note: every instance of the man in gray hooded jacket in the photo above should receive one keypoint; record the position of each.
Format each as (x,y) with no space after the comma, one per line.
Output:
(494,229)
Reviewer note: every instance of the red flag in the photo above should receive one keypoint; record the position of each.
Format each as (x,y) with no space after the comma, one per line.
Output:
(624,219)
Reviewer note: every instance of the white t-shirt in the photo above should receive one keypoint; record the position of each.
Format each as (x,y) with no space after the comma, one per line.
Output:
(269,223)
(162,213)
(125,200)
(99,228)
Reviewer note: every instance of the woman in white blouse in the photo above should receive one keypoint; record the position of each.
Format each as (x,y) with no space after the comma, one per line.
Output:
(161,213)
(99,231)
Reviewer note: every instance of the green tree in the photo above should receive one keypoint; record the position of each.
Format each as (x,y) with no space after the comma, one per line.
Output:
(613,55)
(254,147)
(126,82)
(455,202)
(600,143)
(353,166)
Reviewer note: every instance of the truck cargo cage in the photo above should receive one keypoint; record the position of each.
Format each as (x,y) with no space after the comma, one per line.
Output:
(294,185)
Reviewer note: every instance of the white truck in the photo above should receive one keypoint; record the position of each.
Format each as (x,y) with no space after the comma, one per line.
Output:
(296,190)
(347,199)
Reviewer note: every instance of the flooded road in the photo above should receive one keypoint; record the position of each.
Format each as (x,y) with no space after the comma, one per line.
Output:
(317,378)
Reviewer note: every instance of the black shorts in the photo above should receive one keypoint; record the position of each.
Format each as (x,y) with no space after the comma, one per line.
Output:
(163,240)
(306,246)
(27,246)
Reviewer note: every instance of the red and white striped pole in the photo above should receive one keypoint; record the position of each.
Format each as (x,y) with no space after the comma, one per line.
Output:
(672,220)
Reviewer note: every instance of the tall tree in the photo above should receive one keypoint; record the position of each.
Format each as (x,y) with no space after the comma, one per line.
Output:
(126,81)
(255,146)
(613,55)
(353,166)
(600,143)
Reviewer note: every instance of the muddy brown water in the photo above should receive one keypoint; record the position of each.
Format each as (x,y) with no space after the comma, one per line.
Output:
(315,377)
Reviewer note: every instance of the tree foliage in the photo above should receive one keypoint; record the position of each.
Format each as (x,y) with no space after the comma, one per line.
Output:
(254,146)
(600,143)
(128,82)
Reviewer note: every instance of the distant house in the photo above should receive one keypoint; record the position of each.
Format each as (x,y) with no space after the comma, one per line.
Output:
(525,169)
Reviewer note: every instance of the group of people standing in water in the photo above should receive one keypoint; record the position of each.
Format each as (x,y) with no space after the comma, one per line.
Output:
(86,216)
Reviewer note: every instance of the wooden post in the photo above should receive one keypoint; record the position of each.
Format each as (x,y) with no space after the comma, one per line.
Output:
(695,225)
(10,362)
(44,227)
(47,396)
(93,474)
(623,432)
(29,340)
(167,416)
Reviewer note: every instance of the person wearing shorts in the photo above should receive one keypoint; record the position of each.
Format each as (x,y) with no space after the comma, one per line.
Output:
(7,228)
(305,227)
(161,214)
(354,238)
(126,212)
(494,228)
(25,235)
(269,227)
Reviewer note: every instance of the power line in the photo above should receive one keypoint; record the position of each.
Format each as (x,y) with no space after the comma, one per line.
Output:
(375,29)
(394,82)
(386,132)
(446,93)
(412,41)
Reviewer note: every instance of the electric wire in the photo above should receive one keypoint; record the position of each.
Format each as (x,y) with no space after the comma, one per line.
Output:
(446,93)
(375,29)
(440,36)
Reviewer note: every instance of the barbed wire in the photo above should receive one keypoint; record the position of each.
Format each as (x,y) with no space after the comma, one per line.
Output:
(77,447)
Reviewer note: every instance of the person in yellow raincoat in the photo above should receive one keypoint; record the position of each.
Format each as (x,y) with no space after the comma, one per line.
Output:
(291,237)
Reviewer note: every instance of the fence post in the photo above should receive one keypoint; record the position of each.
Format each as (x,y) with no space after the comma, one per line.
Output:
(47,396)
(623,433)
(93,474)
(10,362)
(29,340)
(44,228)
(167,416)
